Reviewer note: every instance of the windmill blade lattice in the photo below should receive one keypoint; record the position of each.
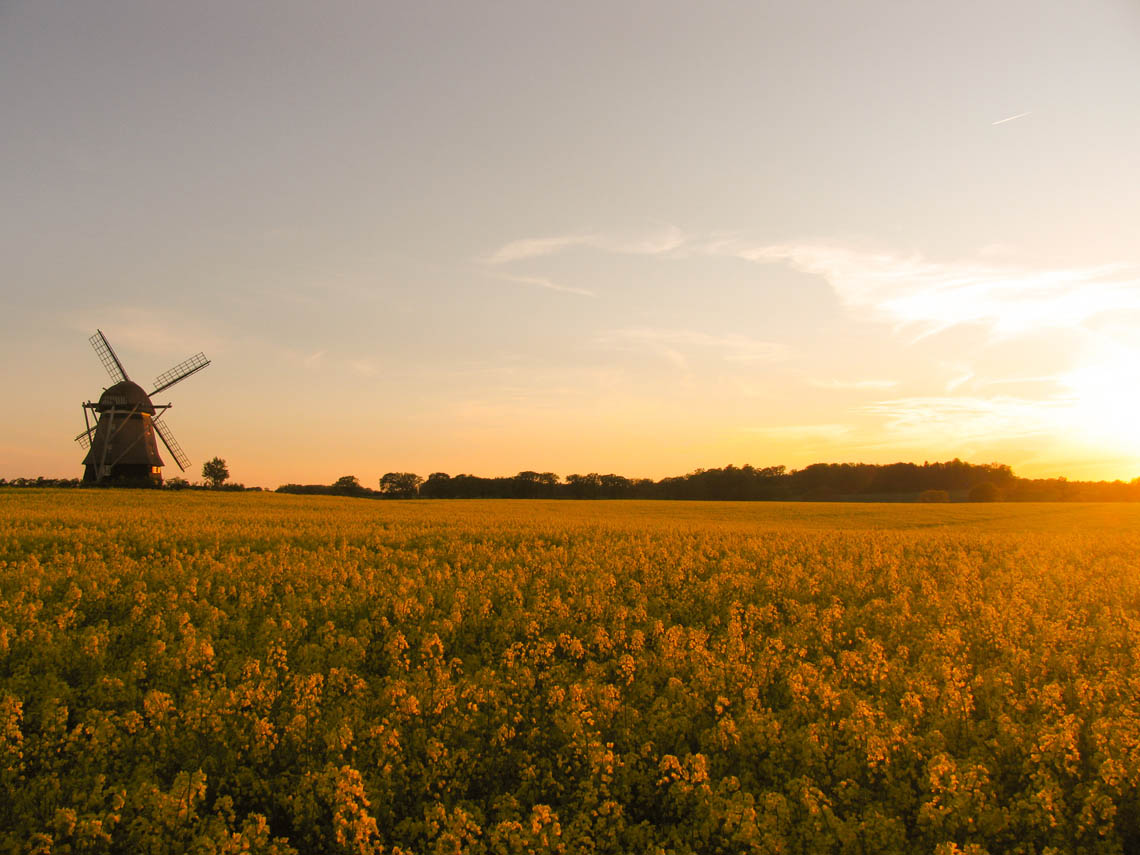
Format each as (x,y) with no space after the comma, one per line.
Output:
(84,439)
(107,356)
(168,439)
(180,372)
(171,444)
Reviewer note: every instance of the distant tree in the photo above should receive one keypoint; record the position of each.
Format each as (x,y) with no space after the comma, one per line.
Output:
(347,485)
(438,486)
(533,485)
(614,486)
(525,485)
(400,485)
(547,485)
(584,486)
(934,496)
(215,472)
(984,492)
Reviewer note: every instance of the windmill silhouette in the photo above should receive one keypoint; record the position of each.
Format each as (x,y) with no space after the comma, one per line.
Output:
(121,426)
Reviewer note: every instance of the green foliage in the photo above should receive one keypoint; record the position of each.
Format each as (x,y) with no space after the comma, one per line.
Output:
(215,672)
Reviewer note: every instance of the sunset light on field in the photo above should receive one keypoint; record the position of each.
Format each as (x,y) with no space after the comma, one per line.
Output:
(589,237)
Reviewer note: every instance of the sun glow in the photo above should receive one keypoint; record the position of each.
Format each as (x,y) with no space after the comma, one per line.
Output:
(1106,406)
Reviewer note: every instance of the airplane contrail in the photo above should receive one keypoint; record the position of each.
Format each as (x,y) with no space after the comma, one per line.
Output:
(1011,118)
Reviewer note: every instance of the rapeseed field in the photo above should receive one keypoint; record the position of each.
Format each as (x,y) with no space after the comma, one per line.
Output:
(260,673)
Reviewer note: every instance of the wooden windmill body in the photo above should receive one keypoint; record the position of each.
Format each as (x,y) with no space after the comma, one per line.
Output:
(121,443)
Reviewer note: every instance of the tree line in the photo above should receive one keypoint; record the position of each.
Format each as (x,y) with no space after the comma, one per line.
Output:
(953,480)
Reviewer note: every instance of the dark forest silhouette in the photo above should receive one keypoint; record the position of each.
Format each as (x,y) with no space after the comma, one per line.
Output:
(953,480)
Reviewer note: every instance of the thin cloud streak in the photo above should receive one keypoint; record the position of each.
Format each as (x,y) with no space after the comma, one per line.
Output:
(1014,381)
(960,380)
(671,343)
(828,431)
(853,384)
(1012,118)
(362,367)
(519,250)
(543,282)
(667,241)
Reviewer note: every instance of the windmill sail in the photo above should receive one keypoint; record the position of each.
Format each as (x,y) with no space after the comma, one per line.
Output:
(107,356)
(84,439)
(171,443)
(180,372)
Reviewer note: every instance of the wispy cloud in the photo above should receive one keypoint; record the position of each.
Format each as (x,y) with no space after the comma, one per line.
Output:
(960,380)
(332,363)
(933,419)
(676,345)
(543,282)
(518,250)
(933,296)
(150,332)
(663,242)
(853,384)
(1017,381)
(362,367)
(828,431)
(924,295)
(1011,118)
(658,243)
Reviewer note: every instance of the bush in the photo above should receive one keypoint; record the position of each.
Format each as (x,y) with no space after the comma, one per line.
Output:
(934,496)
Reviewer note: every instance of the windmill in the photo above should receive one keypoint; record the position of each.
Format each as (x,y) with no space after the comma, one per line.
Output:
(121,426)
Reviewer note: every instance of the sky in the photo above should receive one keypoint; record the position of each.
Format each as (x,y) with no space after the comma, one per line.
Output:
(631,237)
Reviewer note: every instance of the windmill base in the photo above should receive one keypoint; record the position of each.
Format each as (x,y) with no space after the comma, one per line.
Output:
(123,475)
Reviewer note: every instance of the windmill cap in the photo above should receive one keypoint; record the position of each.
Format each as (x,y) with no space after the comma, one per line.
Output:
(126,394)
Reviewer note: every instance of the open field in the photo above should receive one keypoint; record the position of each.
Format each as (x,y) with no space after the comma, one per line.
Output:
(256,672)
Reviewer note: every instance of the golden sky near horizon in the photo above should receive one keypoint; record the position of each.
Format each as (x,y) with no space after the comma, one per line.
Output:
(619,237)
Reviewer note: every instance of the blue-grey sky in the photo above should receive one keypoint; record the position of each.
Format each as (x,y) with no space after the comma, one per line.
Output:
(639,237)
